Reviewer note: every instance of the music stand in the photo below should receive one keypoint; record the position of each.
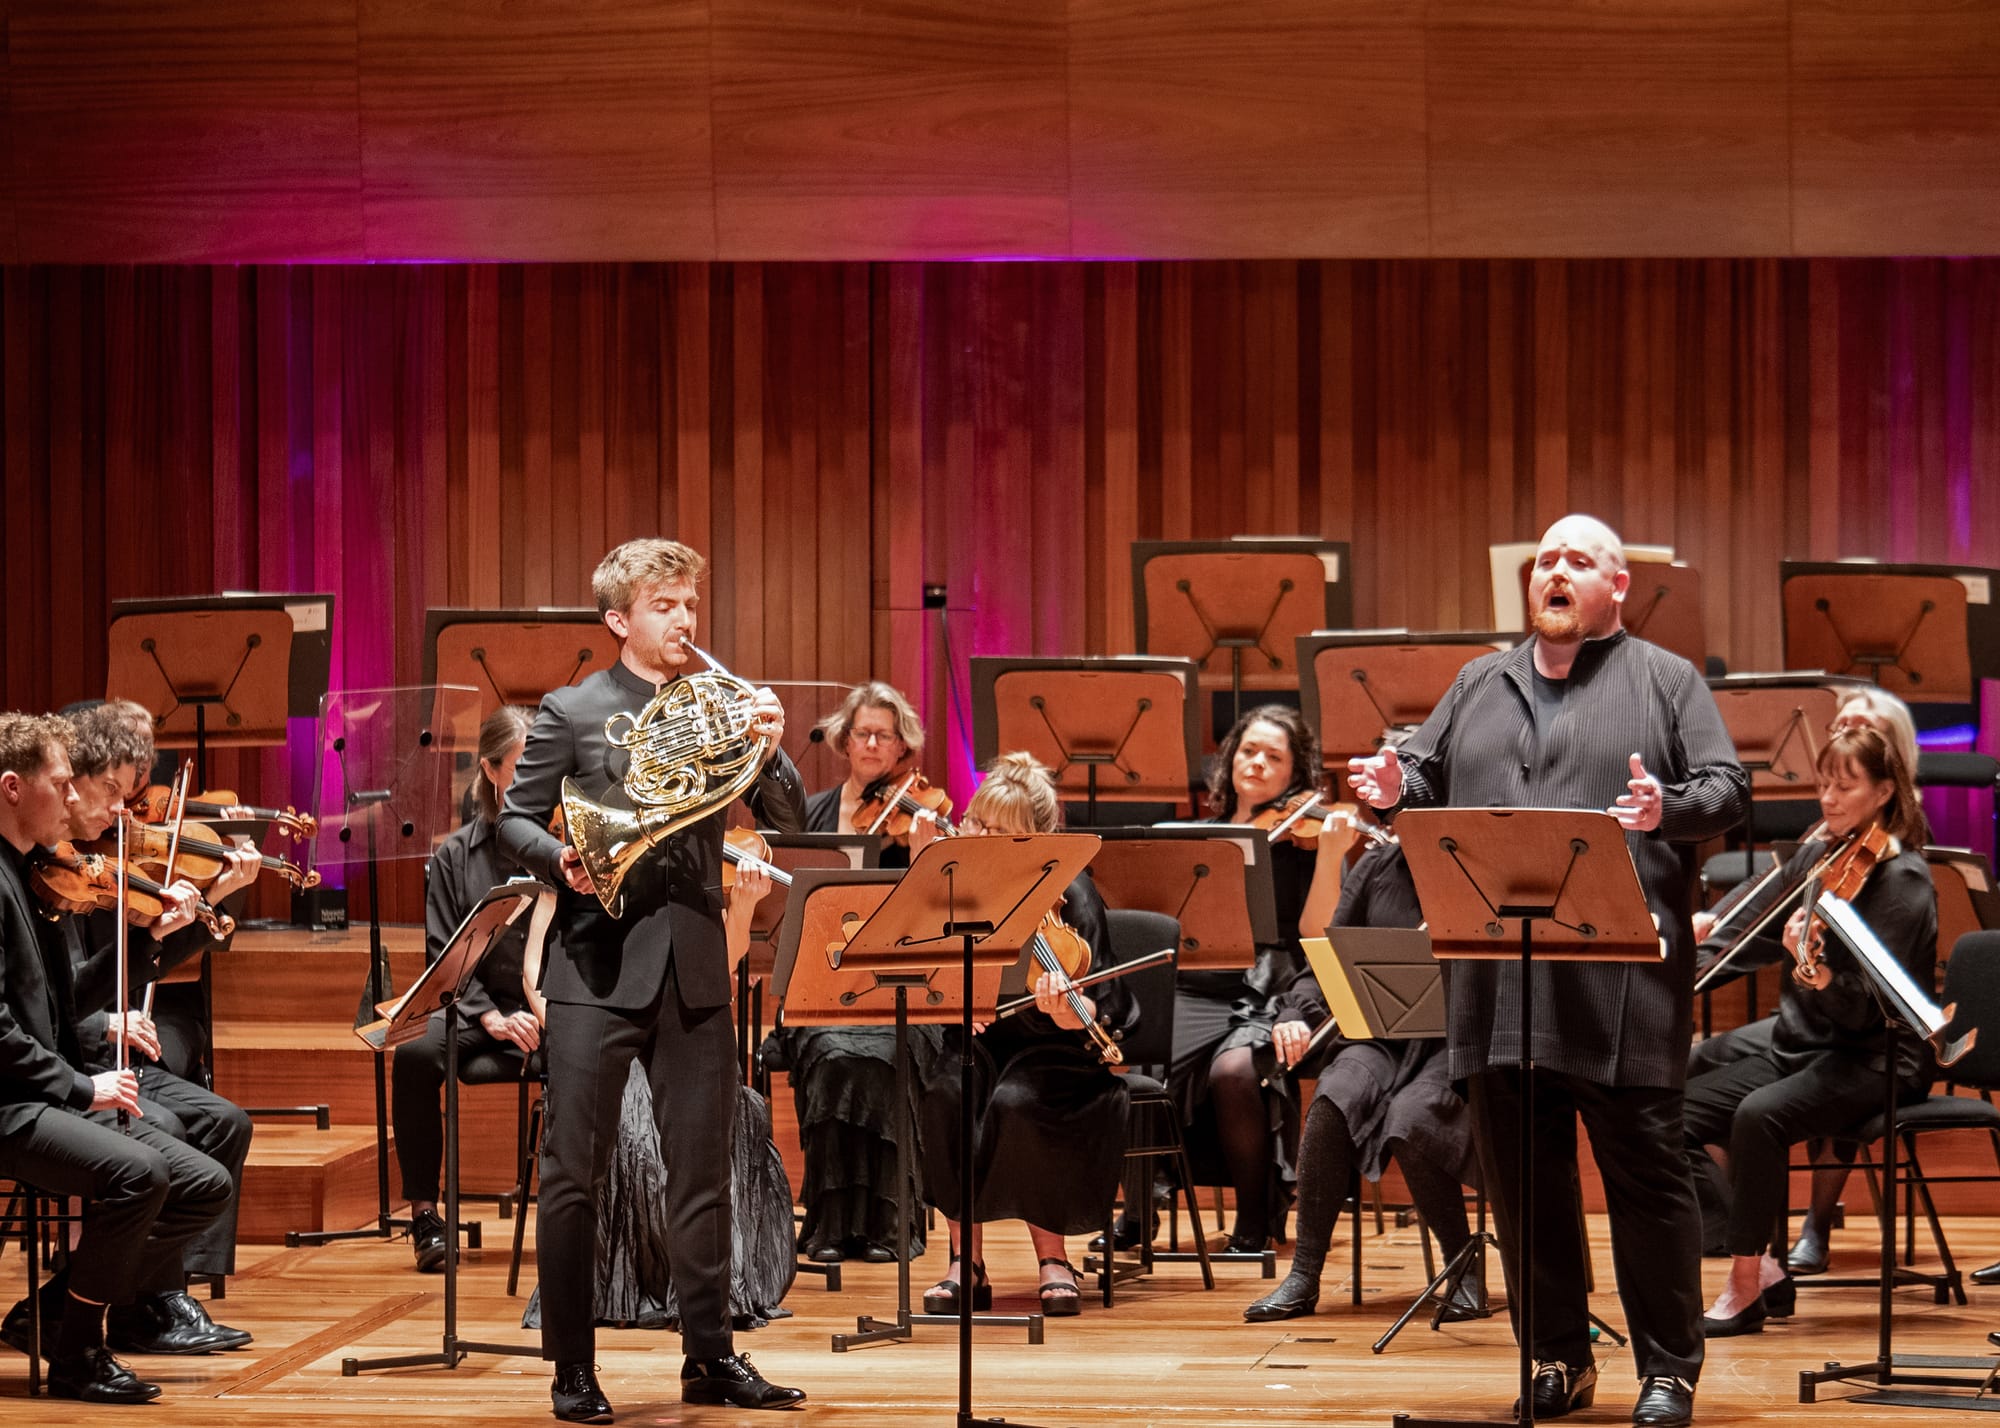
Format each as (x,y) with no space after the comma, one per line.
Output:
(1777,723)
(1356,686)
(1218,601)
(390,752)
(1132,717)
(1214,878)
(1929,633)
(439,988)
(1514,883)
(1905,1007)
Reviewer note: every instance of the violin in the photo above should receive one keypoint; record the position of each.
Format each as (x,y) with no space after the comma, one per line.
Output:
(155,805)
(745,847)
(888,804)
(1058,947)
(1303,816)
(67,880)
(202,856)
(1843,877)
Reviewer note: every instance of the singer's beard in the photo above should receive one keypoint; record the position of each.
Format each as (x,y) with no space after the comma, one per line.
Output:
(1562,625)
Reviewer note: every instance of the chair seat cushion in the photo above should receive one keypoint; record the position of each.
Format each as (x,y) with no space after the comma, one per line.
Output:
(1937,1113)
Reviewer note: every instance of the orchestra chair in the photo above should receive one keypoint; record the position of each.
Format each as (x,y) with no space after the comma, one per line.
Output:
(528,1147)
(35,1218)
(1972,981)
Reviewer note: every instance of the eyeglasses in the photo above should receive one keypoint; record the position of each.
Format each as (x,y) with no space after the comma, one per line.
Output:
(873,736)
(972,823)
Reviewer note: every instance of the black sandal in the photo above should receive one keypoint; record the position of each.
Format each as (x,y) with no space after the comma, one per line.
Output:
(1060,1300)
(942,1297)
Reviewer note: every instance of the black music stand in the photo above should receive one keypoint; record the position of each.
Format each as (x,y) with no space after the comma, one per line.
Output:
(1905,1007)
(1929,633)
(1237,607)
(391,751)
(987,896)
(439,988)
(1517,882)
(1356,687)
(1131,717)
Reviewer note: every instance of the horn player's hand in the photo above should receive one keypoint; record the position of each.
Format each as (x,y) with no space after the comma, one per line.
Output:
(767,720)
(570,865)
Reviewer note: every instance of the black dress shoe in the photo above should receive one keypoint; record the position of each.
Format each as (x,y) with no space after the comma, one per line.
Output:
(152,1326)
(185,1309)
(1990,1274)
(576,1396)
(1747,1320)
(732,1380)
(1993,1336)
(877,1254)
(1560,1388)
(1781,1300)
(1296,1297)
(1240,1243)
(822,1252)
(1809,1253)
(427,1241)
(95,1377)
(1125,1233)
(1664,1403)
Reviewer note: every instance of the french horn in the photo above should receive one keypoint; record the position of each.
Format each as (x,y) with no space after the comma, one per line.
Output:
(692,753)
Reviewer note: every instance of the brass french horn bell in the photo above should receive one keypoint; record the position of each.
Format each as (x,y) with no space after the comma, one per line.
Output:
(692,753)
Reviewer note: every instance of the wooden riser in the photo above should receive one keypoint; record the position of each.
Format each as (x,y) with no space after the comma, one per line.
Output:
(304,1179)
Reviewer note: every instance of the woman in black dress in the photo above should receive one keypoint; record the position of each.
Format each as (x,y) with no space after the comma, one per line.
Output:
(1371,1100)
(1221,1017)
(1817,1066)
(1049,1136)
(844,1077)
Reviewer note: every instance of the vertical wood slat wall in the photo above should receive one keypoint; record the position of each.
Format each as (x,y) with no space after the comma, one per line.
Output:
(839,436)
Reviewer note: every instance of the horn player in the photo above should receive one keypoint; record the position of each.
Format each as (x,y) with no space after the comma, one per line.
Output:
(652,982)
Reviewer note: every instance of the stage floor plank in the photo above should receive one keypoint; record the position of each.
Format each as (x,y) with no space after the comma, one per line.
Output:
(1168,1355)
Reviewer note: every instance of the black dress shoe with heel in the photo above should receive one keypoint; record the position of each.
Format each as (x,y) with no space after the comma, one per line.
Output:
(1664,1402)
(1294,1298)
(1561,1388)
(93,1376)
(1809,1252)
(575,1396)
(732,1380)
(1781,1300)
(1747,1320)
(1987,1274)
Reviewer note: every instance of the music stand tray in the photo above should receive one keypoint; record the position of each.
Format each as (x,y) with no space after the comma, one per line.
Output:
(1928,633)
(514,656)
(1355,686)
(440,987)
(1236,607)
(1214,878)
(1120,728)
(1778,722)
(1553,883)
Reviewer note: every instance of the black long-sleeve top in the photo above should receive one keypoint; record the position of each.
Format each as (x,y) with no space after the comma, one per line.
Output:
(463,869)
(1488,746)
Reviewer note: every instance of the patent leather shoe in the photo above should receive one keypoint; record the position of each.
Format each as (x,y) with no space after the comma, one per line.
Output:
(872,1253)
(1747,1320)
(427,1241)
(1988,1274)
(1993,1337)
(93,1376)
(1561,1388)
(575,1396)
(160,1324)
(732,1380)
(822,1252)
(1294,1298)
(1664,1402)
(1809,1253)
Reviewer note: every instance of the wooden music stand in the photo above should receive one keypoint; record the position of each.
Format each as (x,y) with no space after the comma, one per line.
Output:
(514,656)
(440,987)
(1237,607)
(1928,633)
(1522,883)
(1120,728)
(255,660)
(1778,723)
(1967,901)
(1214,878)
(1357,686)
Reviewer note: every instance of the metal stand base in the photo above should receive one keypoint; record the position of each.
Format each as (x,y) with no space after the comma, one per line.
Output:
(1907,1369)
(871,1330)
(1443,1286)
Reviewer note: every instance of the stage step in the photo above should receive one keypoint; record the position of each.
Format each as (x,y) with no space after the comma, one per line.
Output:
(299,1178)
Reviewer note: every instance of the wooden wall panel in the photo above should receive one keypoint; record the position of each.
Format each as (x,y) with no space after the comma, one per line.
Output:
(1308,115)
(843,439)
(224,131)
(577,130)
(1629,127)
(935,129)
(1894,126)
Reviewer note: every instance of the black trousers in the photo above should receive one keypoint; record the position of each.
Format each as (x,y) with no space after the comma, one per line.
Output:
(1740,1097)
(1655,1225)
(180,1014)
(146,1195)
(689,1055)
(416,1076)
(218,1128)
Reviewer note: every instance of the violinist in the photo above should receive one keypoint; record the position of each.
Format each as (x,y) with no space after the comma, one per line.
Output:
(1049,1131)
(1816,1066)
(1221,1017)
(844,1077)
(146,1194)
(496,1030)
(1371,1100)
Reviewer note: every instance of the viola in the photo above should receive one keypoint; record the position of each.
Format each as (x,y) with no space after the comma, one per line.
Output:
(1845,875)
(155,805)
(201,858)
(67,880)
(890,803)
(1303,817)
(745,847)
(1058,947)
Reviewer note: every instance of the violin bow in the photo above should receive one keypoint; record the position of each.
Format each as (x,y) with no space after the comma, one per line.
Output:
(178,802)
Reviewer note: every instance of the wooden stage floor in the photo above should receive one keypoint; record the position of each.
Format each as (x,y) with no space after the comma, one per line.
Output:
(1169,1354)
